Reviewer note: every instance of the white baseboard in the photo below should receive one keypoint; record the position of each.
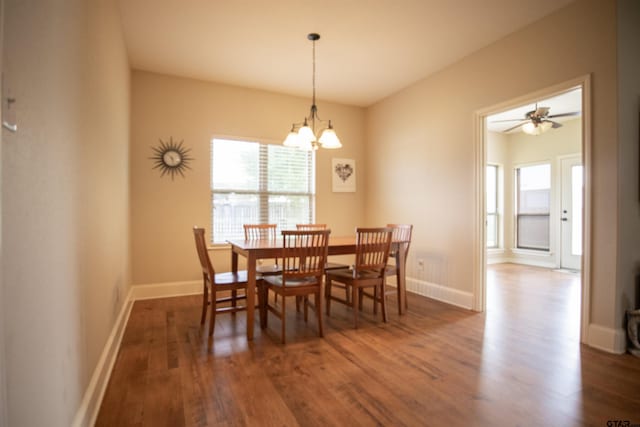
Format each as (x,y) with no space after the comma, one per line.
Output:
(532,262)
(165,290)
(440,293)
(607,339)
(88,411)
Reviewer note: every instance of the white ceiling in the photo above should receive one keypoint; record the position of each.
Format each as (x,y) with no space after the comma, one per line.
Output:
(567,102)
(368,49)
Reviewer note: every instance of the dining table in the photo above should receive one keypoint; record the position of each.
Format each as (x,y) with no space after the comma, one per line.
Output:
(254,250)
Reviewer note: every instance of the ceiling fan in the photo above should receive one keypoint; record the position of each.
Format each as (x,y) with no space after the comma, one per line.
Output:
(537,121)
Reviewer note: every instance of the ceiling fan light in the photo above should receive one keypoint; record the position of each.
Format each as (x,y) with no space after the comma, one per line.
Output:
(530,128)
(329,139)
(545,126)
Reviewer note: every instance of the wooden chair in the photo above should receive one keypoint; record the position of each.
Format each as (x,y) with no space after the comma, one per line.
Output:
(401,236)
(263,232)
(303,258)
(218,282)
(260,231)
(328,265)
(372,252)
(311,227)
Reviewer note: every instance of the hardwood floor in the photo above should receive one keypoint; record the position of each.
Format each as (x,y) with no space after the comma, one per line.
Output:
(520,363)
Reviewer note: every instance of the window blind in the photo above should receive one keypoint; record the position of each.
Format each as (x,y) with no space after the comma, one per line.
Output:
(254,183)
(533,207)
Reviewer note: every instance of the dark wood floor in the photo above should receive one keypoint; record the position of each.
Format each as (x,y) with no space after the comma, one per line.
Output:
(520,363)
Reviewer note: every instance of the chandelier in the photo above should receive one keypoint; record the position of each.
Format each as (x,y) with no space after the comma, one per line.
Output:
(303,135)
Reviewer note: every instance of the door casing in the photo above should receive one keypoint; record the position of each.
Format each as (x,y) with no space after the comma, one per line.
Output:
(480,153)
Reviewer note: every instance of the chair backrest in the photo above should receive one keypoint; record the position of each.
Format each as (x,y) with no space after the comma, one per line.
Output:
(372,249)
(304,254)
(401,233)
(259,231)
(203,254)
(311,226)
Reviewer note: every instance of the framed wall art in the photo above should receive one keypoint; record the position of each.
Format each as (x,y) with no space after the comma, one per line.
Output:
(343,173)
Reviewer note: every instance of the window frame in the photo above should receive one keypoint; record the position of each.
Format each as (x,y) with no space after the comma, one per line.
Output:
(263,193)
(496,212)
(518,214)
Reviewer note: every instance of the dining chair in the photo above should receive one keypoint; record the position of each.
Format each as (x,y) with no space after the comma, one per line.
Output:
(328,265)
(401,238)
(263,232)
(303,257)
(260,231)
(401,234)
(372,252)
(311,227)
(213,283)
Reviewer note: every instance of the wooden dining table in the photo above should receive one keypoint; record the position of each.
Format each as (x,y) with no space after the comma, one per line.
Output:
(253,250)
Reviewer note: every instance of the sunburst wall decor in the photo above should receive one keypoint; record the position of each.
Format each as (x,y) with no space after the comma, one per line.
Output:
(171,158)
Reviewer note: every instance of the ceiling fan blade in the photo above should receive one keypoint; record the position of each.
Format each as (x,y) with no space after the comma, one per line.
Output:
(515,127)
(554,125)
(574,113)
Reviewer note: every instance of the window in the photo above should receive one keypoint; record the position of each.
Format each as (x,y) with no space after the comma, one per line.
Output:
(492,206)
(533,185)
(256,183)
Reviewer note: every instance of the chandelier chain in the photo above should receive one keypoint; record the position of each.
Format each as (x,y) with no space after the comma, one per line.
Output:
(314,72)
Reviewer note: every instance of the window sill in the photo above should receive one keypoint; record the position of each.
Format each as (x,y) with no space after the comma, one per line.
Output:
(495,251)
(219,247)
(532,252)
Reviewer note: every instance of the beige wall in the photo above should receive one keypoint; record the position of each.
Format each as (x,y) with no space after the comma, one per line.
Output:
(4,420)
(65,201)
(628,286)
(426,132)
(164,211)
(515,149)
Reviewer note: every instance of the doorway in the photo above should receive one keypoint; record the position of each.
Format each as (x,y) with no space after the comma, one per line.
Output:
(569,240)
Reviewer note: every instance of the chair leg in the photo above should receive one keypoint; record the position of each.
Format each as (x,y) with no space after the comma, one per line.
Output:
(327,294)
(375,301)
(265,295)
(262,307)
(354,299)
(205,302)
(234,303)
(305,302)
(212,319)
(318,299)
(284,317)
(383,302)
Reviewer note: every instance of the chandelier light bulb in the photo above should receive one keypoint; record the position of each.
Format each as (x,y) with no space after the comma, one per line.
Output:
(329,139)
(305,134)
(292,140)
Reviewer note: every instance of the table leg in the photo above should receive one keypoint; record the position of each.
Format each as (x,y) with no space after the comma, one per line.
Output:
(400,282)
(251,294)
